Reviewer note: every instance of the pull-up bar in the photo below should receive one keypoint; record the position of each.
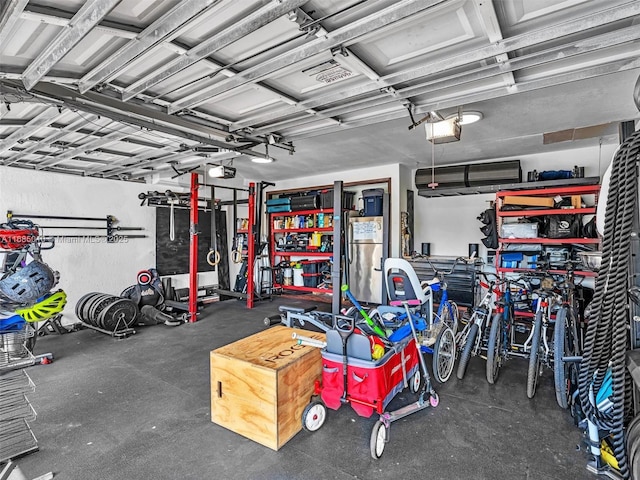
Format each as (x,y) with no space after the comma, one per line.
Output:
(193,242)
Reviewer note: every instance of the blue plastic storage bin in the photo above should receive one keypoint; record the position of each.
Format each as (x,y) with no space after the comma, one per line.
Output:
(372,198)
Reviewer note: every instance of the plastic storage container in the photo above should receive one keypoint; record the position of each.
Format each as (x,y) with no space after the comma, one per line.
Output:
(298,279)
(519,230)
(311,279)
(372,198)
(326,199)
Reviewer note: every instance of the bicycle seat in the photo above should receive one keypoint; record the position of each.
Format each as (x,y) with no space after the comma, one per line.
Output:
(433,284)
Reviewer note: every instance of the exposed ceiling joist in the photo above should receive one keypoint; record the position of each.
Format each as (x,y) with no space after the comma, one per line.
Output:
(45,118)
(47,141)
(162,30)
(156,153)
(166,159)
(324,70)
(341,36)
(128,112)
(82,22)
(9,15)
(453,100)
(452,62)
(524,40)
(108,139)
(431,87)
(249,24)
(53,16)
(491,26)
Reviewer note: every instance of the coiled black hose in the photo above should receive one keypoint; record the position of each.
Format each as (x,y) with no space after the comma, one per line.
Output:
(607,337)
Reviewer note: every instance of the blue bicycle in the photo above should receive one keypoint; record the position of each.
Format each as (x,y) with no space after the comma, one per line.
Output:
(447,312)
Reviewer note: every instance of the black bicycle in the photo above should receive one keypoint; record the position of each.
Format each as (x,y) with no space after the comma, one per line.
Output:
(500,335)
(566,341)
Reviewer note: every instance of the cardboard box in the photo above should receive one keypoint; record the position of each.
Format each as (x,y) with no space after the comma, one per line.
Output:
(529,201)
(261,384)
(576,201)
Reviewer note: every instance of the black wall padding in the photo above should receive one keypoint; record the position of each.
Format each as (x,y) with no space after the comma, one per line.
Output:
(471,175)
(307,202)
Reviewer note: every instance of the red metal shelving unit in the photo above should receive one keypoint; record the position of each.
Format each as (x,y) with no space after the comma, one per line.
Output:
(547,193)
(278,256)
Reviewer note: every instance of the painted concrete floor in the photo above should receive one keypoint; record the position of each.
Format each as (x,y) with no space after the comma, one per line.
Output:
(139,408)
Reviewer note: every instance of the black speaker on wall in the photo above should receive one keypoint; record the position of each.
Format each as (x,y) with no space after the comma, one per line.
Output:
(426,249)
(474,250)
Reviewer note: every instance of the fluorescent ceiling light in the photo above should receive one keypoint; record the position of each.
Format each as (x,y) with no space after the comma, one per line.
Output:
(467,117)
(261,160)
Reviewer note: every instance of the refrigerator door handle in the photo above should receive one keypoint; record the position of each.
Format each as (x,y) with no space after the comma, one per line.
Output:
(349,242)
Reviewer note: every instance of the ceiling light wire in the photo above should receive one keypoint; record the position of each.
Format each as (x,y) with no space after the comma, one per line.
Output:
(433,183)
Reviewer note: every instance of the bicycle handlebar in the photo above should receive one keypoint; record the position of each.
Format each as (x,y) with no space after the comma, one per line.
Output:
(458,260)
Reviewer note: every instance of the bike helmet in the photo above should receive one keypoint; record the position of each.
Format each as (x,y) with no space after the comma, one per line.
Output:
(29,283)
(47,307)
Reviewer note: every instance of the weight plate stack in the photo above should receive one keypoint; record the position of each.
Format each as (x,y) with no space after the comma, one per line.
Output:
(106,311)
(86,308)
(90,307)
(98,306)
(81,304)
(118,315)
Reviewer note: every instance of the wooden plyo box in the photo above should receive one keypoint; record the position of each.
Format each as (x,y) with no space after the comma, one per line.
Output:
(261,384)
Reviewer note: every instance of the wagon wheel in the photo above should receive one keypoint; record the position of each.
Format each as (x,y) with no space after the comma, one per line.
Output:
(378,439)
(415,381)
(313,416)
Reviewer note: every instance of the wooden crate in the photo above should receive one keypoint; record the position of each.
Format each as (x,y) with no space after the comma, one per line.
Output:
(261,384)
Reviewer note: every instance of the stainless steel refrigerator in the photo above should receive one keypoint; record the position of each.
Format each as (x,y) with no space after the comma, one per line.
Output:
(365,251)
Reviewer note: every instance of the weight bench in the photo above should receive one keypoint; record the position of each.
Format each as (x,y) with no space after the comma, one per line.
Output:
(297,317)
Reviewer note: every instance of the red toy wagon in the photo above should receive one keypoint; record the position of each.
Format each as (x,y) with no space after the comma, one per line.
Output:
(351,375)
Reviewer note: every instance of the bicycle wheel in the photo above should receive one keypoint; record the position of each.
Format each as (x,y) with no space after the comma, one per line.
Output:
(493,349)
(563,345)
(466,351)
(444,355)
(450,315)
(534,357)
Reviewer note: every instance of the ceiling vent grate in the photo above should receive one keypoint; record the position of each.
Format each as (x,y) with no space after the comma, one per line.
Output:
(328,72)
